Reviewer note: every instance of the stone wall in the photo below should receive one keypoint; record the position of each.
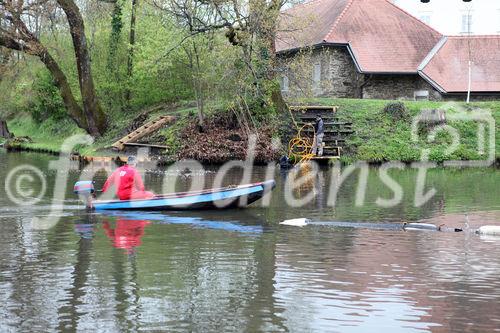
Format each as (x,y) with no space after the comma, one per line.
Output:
(339,77)
(331,72)
(401,87)
(337,73)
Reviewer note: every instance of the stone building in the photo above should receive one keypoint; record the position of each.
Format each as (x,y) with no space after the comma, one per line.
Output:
(374,49)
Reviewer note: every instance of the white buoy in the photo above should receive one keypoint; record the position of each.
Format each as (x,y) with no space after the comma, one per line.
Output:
(301,222)
(489,230)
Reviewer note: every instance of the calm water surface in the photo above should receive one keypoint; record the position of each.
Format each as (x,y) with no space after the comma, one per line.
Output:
(239,271)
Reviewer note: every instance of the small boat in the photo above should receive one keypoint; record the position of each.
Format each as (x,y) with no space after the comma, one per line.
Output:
(227,197)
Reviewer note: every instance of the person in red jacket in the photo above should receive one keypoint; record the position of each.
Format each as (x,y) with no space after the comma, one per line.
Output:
(128,182)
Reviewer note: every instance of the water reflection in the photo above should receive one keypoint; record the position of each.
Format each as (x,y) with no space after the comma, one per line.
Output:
(69,310)
(219,220)
(238,270)
(378,280)
(126,234)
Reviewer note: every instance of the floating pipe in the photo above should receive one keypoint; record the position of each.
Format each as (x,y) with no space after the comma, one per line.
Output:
(489,230)
(302,222)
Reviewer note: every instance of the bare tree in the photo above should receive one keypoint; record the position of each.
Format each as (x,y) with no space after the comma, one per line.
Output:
(192,51)
(249,25)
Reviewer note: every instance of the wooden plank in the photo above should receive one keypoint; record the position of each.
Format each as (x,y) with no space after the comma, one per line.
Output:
(346,131)
(143,131)
(312,107)
(328,123)
(133,144)
(313,117)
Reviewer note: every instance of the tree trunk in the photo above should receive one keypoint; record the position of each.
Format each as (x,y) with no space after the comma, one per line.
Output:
(198,85)
(4,131)
(200,104)
(114,38)
(130,62)
(96,118)
(5,55)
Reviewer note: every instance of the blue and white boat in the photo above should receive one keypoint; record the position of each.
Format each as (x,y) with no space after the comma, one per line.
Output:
(227,197)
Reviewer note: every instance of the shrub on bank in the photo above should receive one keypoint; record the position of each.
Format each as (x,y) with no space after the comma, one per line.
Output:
(397,111)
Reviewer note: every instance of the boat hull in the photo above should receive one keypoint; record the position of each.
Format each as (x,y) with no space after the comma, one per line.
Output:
(237,197)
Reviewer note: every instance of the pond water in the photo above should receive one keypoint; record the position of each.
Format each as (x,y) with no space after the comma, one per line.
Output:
(240,271)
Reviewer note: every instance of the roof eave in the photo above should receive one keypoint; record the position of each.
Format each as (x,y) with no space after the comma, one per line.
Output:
(445,92)
(473,92)
(390,73)
(313,46)
(352,53)
(432,82)
(354,58)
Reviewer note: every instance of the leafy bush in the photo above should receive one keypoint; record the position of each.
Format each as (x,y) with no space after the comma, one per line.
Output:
(47,101)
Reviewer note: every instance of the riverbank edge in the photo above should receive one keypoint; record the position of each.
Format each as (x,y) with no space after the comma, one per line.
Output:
(378,138)
(120,160)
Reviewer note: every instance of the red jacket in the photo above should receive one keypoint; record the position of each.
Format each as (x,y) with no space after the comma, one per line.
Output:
(126,180)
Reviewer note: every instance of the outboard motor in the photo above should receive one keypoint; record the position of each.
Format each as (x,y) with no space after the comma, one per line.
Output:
(85,191)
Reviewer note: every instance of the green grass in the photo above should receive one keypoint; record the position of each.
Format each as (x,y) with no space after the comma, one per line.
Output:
(48,135)
(51,134)
(379,138)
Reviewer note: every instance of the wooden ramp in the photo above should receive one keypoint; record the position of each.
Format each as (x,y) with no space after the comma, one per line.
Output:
(142,131)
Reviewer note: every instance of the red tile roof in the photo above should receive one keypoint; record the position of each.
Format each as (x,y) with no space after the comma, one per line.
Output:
(382,37)
(448,68)
(307,24)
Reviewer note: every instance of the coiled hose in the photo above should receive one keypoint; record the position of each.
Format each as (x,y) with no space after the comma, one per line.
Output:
(301,146)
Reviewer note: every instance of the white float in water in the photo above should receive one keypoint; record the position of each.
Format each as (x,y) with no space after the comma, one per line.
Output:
(302,222)
(489,230)
(420,227)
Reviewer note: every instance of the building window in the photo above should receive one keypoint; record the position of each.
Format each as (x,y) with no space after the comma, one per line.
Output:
(316,76)
(421,95)
(285,83)
(467,23)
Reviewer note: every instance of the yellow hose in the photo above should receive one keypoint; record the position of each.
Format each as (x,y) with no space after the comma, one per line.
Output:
(301,146)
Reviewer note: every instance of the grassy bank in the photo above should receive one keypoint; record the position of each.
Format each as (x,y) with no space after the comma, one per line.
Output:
(378,136)
(49,135)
